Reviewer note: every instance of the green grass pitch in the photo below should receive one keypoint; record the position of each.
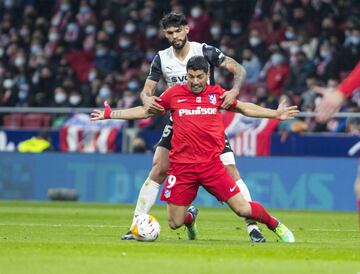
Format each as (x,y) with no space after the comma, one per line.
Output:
(42,237)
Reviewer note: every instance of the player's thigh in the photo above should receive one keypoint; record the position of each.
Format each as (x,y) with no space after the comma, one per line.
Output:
(239,205)
(217,181)
(160,164)
(357,187)
(176,215)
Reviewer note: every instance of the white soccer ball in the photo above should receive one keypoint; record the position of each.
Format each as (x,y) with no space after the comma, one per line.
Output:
(146,228)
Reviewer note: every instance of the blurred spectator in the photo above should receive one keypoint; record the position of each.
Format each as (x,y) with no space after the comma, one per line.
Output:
(276,72)
(252,66)
(199,24)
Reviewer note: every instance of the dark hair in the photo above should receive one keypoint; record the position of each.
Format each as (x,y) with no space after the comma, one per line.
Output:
(173,19)
(198,63)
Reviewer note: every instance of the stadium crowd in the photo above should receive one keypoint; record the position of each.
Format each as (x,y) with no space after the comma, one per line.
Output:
(67,53)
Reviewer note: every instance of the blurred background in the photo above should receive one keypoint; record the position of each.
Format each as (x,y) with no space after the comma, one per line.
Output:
(59,59)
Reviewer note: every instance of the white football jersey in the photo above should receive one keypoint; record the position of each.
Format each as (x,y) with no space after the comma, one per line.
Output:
(165,64)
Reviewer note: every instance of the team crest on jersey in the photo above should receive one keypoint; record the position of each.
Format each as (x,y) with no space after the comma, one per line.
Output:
(212,98)
(167,193)
(198,99)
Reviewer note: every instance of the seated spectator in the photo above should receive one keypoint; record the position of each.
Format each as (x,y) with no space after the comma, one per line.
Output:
(252,66)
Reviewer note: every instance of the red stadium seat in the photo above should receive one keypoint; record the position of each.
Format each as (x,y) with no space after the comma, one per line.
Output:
(13,120)
(36,120)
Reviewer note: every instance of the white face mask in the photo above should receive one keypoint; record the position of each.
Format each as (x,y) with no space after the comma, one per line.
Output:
(104,92)
(64,7)
(150,32)
(74,100)
(90,29)
(254,41)
(35,49)
(276,58)
(124,43)
(60,97)
(215,31)
(129,28)
(53,37)
(19,61)
(8,83)
(196,12)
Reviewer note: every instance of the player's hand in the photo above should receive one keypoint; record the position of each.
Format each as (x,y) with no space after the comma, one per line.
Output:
(284,112)
(151,104)
(229,97)
(98,114)
(331,102)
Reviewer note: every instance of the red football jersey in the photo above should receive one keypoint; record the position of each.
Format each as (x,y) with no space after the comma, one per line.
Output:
(198,131)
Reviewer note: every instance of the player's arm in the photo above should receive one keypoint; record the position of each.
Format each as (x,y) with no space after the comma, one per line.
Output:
(239,77)
(147,97)
(252,110)
(217,58)
(134,113)
(333,99)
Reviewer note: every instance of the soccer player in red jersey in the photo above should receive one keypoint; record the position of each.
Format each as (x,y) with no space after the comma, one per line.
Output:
(196,144)
(331,102)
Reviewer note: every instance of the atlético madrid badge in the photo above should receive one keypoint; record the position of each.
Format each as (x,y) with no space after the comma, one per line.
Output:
(212,99)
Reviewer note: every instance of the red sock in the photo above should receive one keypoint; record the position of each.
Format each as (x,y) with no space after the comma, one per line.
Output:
(188,219)
(358,203)
(259,213)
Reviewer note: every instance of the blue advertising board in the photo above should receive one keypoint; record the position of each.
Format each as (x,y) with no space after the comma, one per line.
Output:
(277,182)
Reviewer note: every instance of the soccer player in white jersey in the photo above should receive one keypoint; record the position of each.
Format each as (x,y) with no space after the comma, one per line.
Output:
(171,65)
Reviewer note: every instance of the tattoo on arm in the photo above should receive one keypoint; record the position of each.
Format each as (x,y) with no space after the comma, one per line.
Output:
(116,114)
(238,70)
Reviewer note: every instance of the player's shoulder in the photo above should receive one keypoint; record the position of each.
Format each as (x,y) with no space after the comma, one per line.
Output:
(165,52)
(216,89)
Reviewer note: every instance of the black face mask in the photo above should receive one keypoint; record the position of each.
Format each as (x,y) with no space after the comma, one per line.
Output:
(139,149)
(276,24)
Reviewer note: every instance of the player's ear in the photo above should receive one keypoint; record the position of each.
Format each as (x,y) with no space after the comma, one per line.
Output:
(187,29)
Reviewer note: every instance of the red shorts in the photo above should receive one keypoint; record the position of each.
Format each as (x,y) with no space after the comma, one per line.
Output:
(184,180)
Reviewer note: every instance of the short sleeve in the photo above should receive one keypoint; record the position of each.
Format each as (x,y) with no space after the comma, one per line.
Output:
(166,99)
(213,55)
(155,69)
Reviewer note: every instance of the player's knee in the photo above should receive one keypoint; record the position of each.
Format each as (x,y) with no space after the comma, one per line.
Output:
(173,224)
(233,172)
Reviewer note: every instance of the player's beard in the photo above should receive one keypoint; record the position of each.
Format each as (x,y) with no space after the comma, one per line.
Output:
(198,88)
(179,44)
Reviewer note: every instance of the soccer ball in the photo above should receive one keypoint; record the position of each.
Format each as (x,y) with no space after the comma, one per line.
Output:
(146,228)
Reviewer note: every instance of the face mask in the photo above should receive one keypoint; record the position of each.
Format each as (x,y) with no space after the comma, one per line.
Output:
(129,28)
(254,41)
(8,83)
(235,30)
(215,31)
(100,52)
(196,12)
(104,92)
(84,9)
(324,54)
(124,43)
(60,97)
(289,35)
(92,76)
(150,32)
(64,7)
(19,61)
(90,29)
(72,27)
(35,49)
(133,85)
(276,59)
(53,37)
(109,30)
(294,50)
(354,39)
(74,100)
(22,95)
